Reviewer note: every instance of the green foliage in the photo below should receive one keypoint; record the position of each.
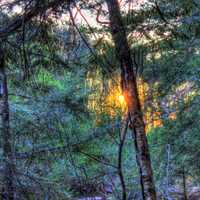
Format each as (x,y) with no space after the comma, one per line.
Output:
(53,82)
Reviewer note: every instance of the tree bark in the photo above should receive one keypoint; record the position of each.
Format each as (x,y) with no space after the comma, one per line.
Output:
(129,88)
(8,191)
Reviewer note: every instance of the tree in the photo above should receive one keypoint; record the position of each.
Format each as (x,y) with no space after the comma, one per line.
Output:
(8,192)
(129,88)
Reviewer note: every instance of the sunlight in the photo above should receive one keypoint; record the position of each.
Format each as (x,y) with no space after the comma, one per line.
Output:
(121,99)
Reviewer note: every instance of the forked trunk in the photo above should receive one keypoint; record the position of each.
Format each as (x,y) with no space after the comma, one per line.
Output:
(129,87)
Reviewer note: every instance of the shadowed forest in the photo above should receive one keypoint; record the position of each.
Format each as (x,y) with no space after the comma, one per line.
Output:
(99,99)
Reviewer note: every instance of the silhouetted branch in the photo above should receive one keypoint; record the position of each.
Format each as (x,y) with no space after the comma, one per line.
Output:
(38,9)
(59,149)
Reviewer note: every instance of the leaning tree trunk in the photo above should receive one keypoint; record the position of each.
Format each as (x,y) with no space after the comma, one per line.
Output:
(8,190)
(129,88)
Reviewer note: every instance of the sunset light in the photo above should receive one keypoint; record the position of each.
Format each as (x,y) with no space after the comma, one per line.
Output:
(99,99)
(121,99)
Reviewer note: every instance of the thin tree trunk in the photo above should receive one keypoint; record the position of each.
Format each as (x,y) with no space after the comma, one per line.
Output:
(129,88)
(168,170)
(8,191)
(184,185)
(123,132)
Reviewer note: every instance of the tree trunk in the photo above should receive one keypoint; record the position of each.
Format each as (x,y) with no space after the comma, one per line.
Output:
(129,88)
(8,191)
(184,185)
(122,139)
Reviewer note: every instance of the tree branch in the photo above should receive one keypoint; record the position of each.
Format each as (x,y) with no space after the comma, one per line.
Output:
(38,9)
